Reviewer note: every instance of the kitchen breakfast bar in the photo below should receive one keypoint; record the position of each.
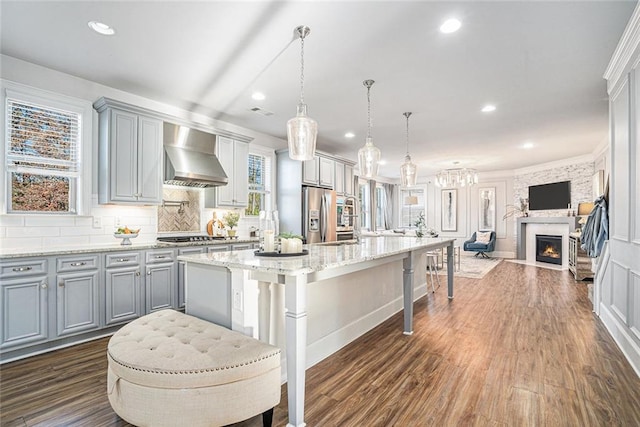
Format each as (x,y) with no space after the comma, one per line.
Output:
(323,261)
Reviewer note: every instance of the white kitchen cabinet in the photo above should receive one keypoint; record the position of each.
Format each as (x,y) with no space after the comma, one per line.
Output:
(233,156)
(348,180)
(23,302)
(130,155)
(122,287)
(161,279)
(77,301)
(319,171)
(339,180)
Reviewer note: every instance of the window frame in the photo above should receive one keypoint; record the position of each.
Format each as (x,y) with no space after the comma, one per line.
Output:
(269,192)
(414,210)
(82,188)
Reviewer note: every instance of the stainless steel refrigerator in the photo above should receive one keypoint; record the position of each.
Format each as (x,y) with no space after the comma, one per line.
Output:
(319,215)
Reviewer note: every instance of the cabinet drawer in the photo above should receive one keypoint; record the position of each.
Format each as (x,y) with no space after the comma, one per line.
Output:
(122,259)
(23,268)
(153,257)
(89,262)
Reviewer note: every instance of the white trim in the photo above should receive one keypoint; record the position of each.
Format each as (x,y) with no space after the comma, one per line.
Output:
(555,164)
(625,342)
(84,108)
(621,58)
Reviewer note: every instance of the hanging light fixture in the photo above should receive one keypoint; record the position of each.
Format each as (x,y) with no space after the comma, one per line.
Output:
(369,154)
(459,177)
(408,170)
(302,130)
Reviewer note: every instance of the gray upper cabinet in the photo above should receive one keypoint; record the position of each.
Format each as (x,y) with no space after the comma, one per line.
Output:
(319,171)
(234,157)
(130,155)
(339,181)
(23,302)
(348,180)
(311,171)
(77,300)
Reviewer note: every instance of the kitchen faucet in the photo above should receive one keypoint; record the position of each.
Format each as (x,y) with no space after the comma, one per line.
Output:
(356,215)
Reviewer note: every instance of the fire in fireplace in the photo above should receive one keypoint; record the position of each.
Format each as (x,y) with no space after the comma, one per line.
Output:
(549,249)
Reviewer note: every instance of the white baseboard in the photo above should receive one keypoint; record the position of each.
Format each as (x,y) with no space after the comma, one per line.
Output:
(327,345)
(621,336)
(503,254)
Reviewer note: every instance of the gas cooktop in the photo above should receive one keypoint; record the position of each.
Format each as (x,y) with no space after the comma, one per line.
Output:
(182,239)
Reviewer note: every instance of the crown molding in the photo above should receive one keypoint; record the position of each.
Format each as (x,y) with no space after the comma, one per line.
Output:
(555,164)
(625,51)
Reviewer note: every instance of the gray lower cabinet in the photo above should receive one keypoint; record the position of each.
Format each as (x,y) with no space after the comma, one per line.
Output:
(77,301)
(23,302)
(181,271)
(160,280)
(123,295)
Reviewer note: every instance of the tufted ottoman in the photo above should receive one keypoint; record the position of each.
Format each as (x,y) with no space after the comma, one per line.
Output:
(171,369)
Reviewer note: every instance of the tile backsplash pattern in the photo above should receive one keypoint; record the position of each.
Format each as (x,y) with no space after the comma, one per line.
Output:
(172,218)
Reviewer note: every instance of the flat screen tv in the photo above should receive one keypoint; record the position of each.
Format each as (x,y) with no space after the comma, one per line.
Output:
(556,195)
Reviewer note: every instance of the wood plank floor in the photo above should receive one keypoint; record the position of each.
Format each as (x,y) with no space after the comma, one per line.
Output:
(519,347)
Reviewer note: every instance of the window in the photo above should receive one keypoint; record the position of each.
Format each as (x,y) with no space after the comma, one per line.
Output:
(381,203)
(412,202)
(44,139)
(259,184)
(365,205)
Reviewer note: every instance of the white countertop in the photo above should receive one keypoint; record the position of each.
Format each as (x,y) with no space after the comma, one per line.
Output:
(320,257)
(113,247)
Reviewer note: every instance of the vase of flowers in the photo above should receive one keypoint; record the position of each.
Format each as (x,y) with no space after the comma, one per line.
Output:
(231,219)
(420,225)
(521,209)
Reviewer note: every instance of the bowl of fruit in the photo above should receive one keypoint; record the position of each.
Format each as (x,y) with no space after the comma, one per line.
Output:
(125,233)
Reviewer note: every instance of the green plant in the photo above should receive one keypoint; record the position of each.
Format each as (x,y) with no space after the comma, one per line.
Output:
(420,224)
(231,219)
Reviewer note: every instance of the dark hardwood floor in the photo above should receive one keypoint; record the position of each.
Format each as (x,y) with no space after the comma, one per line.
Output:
(518,348)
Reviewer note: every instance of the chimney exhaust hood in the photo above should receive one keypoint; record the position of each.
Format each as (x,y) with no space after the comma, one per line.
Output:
(190,158)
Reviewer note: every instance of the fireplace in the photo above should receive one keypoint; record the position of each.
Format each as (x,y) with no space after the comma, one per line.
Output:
(549,249)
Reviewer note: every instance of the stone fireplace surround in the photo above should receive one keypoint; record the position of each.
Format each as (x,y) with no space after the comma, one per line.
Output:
(528,227)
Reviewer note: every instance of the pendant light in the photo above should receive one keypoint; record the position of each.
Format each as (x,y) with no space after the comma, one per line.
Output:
(369,154)
(302,130)
(408,170)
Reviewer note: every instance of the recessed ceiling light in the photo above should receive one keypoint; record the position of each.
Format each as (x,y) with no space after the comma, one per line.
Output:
(101,28)
(349,135)
(527,145)
(382,162)
(488,108)
(450,26)
(258,96)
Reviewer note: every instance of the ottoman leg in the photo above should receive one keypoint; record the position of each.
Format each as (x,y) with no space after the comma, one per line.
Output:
(267,418)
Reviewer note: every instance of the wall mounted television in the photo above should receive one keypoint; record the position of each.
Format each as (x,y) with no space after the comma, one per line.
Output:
(556,195)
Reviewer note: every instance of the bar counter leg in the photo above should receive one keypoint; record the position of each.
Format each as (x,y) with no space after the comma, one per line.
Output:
(450,270)
(296,326)
(407,292)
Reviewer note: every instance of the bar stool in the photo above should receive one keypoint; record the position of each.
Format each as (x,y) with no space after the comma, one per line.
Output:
(432,269)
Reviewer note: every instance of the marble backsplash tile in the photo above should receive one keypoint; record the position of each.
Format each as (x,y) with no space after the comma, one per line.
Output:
(173,217)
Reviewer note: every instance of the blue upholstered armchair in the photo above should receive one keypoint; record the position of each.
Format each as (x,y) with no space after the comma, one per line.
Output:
(480,249)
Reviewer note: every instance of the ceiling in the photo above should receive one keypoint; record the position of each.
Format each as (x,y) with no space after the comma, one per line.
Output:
(539,63)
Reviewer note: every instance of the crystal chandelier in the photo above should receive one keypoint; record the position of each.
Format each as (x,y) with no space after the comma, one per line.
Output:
(302,130)
(369,154)
(460,177)
(408,170)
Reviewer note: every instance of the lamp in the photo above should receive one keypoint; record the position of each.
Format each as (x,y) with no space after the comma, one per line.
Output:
(369,154)
(585,208)
(408,170)
(302,130)
(459,177)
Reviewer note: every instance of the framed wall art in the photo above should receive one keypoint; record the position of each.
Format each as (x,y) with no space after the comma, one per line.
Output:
(449,210)
(487,209)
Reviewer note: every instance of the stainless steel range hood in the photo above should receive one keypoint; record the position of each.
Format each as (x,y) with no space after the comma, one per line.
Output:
(190,158)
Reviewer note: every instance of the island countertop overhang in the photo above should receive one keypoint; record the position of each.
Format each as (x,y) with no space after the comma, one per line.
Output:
(321,256)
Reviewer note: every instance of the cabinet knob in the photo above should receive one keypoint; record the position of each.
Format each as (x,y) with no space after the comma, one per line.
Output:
(61,284)
(137,273)
(122,260)
(148,272)
(19,269)
(44,285)
(78,264)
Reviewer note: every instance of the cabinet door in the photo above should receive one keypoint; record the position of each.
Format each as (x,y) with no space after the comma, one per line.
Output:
(348,180)
(181,271)
(159,289)
(24,311)
(311,171)
(339,181)
(149,175)
(123,174)
(218,248)
(77,302)
(241,174)
(327,172)
(122,294)
(225,193)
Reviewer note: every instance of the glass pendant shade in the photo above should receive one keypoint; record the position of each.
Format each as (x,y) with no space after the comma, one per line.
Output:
(368,159)
(408,172)
(448,178)
(302,131)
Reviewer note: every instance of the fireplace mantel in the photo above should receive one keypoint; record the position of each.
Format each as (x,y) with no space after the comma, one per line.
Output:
(521,248)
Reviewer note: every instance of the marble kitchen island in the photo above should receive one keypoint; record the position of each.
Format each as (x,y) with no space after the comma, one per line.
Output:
(325,263)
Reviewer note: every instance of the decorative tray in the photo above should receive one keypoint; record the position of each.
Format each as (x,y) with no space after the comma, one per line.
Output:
(278,254)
